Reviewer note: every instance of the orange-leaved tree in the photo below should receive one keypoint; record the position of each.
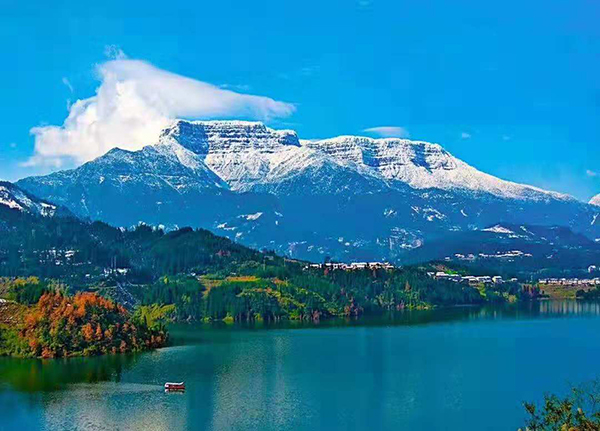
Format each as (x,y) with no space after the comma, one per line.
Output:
(84,324)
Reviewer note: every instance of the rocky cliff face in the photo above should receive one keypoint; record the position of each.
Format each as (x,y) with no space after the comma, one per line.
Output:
(347,197)
(240,153)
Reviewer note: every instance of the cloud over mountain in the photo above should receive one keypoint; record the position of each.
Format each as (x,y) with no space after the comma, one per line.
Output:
(133,103)
(388,131)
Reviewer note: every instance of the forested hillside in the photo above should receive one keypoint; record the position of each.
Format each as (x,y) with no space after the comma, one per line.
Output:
(198,275)
(69,248)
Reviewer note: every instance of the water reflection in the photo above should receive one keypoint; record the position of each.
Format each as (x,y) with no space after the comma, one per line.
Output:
(526,310)
(538,310)
(35,375)
(570,308)
(385,372)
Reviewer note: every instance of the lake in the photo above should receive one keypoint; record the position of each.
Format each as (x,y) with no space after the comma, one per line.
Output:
(447,369)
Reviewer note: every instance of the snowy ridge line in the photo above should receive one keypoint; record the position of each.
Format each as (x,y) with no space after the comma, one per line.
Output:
(249,155)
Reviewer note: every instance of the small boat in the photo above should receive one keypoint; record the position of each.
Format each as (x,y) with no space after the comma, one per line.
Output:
(174,387)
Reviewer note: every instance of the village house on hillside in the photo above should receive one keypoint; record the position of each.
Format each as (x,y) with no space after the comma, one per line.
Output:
(571,281)
(469,279)
(351,266)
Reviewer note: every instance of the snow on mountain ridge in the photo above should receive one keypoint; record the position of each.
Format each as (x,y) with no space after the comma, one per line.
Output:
(498,229)
(423,165)
(595,200)
(15,198)
(247,155)
(239,152)
(170,164)
(308,171)
(204,137)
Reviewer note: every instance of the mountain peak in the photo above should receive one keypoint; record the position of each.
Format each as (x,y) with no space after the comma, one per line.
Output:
(204,137)
(595,200)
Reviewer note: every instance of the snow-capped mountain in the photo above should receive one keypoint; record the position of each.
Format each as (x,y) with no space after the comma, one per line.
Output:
(164,183)
(347,197)
(595,200)
(250,156)
(421,165)
(14,198)
(241,153)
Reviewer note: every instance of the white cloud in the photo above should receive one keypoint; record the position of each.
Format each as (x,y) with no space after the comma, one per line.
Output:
(591,173)
(237,87)
(133,103)
(465,135)
(66,81)
(388,131)
(113,52)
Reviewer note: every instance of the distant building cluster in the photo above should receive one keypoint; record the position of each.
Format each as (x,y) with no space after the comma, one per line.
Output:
(571,281)
(469,279)
(506,255)
(54,256)
(592,269)
(352,266)
(115,271)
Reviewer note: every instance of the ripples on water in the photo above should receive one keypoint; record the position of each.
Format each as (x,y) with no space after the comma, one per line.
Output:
(453,368)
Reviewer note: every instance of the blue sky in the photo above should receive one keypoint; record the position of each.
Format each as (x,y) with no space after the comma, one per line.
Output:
(511,87)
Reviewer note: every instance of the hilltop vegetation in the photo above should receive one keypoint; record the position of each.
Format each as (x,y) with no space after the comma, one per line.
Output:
(260,292)
(81,325)
(26,291)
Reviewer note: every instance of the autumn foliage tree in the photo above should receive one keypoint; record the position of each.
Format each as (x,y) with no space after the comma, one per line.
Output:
(85,324)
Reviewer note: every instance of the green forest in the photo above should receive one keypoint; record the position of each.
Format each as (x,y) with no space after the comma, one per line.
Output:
(194,275)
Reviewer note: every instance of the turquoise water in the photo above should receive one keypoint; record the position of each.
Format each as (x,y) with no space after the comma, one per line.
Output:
(453,369)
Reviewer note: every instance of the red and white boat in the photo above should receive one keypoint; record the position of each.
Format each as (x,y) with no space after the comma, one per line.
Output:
(174,387)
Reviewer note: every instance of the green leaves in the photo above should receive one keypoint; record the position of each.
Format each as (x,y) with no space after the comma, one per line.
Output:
(579,411)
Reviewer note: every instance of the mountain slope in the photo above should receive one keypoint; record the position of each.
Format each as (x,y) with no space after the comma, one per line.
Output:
(422,165)
(158,184)
(82,251)
(348,197)
(518,250)
(15,198)
(595,200)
